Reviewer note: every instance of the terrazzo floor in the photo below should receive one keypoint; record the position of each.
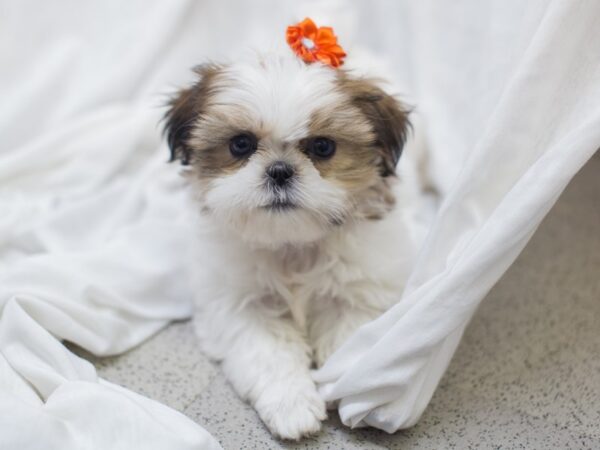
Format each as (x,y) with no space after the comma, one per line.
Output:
(526,375)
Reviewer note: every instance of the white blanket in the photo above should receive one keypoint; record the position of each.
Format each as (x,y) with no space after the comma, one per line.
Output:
(93,229)
(511,96)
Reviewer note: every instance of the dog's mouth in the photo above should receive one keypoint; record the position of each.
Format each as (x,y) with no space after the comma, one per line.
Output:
(280,205)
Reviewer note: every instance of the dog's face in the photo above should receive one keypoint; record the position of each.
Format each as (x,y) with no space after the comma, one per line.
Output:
(282,152)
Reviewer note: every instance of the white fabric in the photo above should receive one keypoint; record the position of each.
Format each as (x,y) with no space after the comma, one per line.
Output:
(93,229)
(511,93)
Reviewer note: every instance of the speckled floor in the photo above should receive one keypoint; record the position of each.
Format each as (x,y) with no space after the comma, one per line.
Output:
(527,374)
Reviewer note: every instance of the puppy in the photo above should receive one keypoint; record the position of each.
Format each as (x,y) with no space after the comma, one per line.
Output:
(301,236)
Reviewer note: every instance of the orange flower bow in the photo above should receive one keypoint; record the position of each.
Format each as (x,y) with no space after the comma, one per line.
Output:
(315,44)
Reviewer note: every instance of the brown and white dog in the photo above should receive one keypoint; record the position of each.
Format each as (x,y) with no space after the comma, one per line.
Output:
(301,232)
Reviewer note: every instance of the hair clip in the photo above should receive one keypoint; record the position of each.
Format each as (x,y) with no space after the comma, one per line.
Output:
(312,43)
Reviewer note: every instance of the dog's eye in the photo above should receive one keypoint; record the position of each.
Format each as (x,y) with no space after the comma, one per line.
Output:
(321,147)
(242,145)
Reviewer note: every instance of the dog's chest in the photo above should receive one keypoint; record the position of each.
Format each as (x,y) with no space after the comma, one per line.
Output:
(301,278)
(300,271)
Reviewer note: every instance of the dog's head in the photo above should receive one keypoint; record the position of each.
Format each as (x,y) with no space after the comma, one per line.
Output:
(283,152)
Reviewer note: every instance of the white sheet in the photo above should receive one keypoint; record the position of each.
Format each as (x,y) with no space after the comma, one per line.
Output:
(511,93)
(93,229)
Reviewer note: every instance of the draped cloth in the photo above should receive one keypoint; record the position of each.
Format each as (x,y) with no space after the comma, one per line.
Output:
(511,97)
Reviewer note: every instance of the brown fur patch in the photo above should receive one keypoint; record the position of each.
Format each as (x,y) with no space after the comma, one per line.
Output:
(370,129)
(388,117)
(210,142)
(354,165)
(198,133)
(184,109)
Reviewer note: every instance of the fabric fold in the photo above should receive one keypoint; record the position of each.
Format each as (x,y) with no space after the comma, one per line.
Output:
(540,134)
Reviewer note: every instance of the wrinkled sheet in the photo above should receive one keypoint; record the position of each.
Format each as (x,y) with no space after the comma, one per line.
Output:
(511,96)
(93,230)
(94,225)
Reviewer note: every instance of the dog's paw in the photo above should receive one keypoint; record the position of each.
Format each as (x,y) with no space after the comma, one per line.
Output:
(291,413)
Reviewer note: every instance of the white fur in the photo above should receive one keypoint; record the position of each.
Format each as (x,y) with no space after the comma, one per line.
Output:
(267,313)
(279,290)
(278,91)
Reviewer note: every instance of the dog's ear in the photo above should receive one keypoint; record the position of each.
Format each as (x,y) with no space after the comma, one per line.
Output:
(388,117)
(184,109)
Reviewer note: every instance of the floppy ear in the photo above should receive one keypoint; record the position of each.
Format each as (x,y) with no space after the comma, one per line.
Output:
(388,117)
(184,109)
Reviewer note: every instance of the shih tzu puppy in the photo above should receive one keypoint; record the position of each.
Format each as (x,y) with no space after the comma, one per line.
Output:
(301,237)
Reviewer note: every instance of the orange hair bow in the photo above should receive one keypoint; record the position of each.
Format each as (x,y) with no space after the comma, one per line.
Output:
(315,44)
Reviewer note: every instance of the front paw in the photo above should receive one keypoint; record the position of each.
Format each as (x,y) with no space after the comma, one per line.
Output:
(291,411)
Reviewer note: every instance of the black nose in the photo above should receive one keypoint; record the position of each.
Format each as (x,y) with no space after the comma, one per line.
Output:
(280,172)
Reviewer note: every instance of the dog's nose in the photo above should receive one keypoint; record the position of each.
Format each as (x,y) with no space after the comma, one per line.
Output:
(280,172)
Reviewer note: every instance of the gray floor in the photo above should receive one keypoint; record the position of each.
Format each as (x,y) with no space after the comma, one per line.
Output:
(527,374)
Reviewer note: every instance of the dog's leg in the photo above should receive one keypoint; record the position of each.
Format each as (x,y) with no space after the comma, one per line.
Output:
(267,360)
